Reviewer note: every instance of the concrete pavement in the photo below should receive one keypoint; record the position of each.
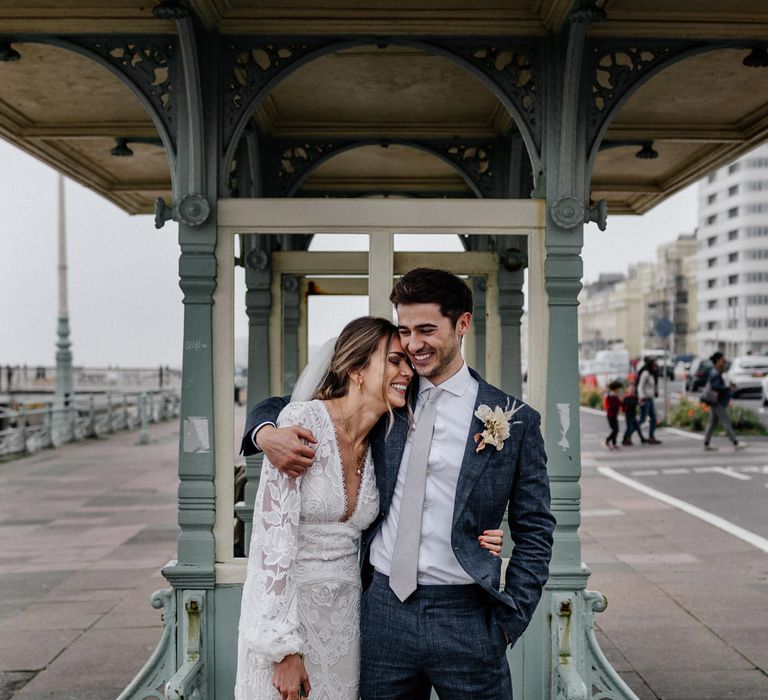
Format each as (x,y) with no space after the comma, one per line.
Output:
(687,614)
(87,527)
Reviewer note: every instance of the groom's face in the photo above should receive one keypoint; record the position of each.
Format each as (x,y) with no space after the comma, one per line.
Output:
(432,341)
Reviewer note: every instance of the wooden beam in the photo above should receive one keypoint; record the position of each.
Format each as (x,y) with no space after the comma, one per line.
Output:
(383,20)
(334,263)
(88,131)
(682,133)
(465,216)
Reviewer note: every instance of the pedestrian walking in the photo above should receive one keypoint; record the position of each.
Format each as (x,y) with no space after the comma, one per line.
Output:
(647,392)
(717,394)
(612,406)
(629,404)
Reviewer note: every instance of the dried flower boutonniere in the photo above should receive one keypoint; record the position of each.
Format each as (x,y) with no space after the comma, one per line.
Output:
(496,423)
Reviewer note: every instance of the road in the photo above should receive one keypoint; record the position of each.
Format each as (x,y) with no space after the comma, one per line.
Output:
(726,484)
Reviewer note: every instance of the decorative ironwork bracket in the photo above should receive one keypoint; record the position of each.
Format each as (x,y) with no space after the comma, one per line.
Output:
(580,669)
(151,680)
(569,212)
(508,65)
(288,162)
(192,210)
(148,63)
(619,67)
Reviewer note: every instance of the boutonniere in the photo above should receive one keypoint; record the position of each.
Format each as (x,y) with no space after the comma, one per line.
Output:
(496,424)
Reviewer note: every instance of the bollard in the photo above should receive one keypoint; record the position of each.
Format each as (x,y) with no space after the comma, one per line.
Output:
(22,427)
(92,432)
(144,435)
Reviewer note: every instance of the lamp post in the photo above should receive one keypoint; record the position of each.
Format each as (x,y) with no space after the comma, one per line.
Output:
(64,398)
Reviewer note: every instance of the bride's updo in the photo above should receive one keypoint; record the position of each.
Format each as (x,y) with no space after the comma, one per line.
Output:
(353,351)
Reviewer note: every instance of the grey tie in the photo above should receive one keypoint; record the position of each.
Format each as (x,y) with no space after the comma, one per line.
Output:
(405,556)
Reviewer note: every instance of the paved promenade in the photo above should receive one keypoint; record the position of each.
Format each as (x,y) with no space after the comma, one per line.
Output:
(86,528)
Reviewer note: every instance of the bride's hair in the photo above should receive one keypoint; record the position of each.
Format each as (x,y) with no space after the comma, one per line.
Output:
(353,351)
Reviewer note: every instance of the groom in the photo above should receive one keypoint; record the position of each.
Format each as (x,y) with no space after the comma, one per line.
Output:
(433,614)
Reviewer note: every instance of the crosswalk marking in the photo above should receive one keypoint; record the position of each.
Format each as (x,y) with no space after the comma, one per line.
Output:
(732,472)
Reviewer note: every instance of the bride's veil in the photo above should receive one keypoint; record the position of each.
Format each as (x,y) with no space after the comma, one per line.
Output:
(314,373)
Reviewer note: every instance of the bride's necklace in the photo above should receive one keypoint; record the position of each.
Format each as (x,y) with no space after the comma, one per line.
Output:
(360,454)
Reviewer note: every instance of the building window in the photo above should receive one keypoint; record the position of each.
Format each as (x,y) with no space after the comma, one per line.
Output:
(711,262)
(711,325)
(711,177)
(757,254)
(733,279)
(732,213)
(733,301)
(732,190)
(757,208)
(757,300)
(733,257)
(711,198)
(711,219)
(757,277)
(733,323)
(711,284)
(734,167)
(712,304)
(711,241)
(757,231)
(733,235)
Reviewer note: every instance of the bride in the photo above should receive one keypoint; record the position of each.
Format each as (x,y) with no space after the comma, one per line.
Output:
(300,615)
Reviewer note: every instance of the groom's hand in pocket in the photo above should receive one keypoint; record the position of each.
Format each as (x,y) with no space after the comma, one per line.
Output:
(290,450)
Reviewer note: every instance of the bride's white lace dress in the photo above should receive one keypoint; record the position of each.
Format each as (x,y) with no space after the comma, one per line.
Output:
(302,591)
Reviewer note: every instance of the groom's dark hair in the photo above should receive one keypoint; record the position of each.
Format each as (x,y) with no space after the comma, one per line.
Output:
(426,285)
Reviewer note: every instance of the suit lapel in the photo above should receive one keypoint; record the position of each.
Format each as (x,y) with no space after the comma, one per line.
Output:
(474,462)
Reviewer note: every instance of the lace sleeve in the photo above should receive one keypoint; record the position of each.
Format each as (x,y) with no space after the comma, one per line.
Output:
(269,625)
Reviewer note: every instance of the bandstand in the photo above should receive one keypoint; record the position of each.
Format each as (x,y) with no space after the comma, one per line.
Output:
(257,125)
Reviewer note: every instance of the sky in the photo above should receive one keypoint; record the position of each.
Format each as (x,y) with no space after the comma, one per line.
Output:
(124,299)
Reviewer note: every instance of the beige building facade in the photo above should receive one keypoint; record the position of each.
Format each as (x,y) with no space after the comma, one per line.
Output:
(621,311)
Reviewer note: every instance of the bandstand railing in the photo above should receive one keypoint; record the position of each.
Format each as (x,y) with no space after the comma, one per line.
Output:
(29,427)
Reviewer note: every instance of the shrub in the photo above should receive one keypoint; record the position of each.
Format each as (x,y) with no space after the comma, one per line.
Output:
(694,415)
(590,396)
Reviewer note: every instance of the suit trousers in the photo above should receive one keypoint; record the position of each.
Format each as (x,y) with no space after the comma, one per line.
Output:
(444,637)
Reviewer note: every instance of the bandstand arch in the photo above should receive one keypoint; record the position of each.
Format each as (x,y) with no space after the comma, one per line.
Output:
(255,101)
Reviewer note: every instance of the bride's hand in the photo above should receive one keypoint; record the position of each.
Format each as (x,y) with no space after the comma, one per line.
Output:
(492,541)
(290,677)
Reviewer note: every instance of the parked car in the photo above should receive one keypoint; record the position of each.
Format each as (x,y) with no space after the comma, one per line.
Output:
(764,391)
(746,373)
(698,374)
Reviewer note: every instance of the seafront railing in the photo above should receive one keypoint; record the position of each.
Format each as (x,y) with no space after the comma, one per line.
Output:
(26,429)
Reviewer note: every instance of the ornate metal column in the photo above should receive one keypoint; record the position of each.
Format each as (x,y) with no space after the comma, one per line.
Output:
(578,667)
(512,260)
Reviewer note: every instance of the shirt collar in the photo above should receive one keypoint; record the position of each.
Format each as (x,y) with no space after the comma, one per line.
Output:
(456,385)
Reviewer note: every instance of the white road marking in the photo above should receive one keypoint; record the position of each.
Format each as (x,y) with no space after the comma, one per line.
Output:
(678,470)
(684,433)
(710,518)
(645,472)
(727,471)
(600,512)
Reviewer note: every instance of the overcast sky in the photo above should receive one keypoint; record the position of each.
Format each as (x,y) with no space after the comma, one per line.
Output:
(124,299)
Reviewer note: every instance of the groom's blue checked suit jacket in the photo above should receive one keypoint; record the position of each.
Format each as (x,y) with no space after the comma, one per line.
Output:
(492,483)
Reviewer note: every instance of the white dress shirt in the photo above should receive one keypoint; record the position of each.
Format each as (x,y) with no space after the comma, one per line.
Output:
(437,562)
